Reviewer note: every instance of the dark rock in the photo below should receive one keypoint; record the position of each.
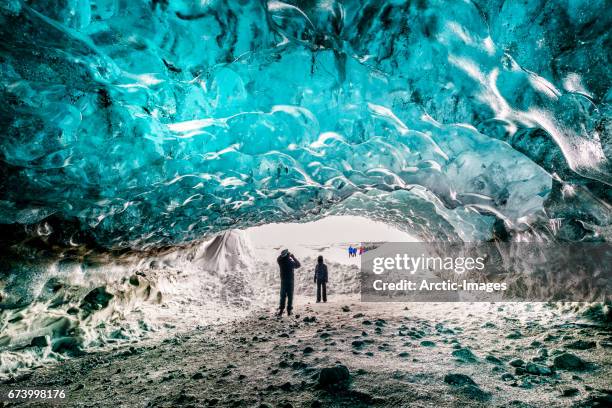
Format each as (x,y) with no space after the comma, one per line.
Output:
(16,319)
(308,350)
(184,398)
(570,392)
(493,359)
(358,344)
(67,345)
(570,362)
(358,315)
(97,299)
(465,355)
(334,377)
(403,354)
(384,347)
(299,365)
(458,379)
(474,392)
(72,311)
(285,386)
(599,312)
(442,330)
(537,369)
(134,280)
(119,334)
(428,343)
(514,335)
(197,376)
(519,404)
(507,377)
(581,345)
(40,341)
(517,362)
(599,399)
(346,309)
(362,397)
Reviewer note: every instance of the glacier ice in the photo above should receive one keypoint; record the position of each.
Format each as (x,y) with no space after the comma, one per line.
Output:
(165,125)
(143,124)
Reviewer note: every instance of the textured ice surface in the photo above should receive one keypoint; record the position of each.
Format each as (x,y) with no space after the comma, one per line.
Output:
(132,124)
(60,308)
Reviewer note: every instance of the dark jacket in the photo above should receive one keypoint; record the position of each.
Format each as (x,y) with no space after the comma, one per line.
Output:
(321,273)
(287,264)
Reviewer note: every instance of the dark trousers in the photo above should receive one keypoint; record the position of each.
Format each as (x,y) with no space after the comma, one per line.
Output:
(321,287)
(286,293)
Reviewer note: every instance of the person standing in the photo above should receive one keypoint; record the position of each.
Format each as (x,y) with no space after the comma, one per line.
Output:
(287,264)
(320,278)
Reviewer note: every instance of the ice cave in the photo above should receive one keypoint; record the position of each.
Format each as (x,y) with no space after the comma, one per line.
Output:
(149,146)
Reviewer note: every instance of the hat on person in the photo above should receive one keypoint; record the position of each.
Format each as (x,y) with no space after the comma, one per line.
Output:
(284,252)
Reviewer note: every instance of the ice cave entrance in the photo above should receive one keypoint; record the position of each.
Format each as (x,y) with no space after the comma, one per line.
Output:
(330,237)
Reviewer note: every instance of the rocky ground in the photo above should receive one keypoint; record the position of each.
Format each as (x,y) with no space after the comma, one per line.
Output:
(349,354)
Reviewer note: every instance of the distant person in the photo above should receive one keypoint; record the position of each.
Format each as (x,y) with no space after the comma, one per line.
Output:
(287,263)
(320,278)
(350,249)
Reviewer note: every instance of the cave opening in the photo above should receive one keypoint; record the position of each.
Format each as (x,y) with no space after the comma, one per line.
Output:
(329,236)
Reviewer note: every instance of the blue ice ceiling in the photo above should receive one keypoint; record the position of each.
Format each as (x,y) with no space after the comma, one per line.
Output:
(131,124)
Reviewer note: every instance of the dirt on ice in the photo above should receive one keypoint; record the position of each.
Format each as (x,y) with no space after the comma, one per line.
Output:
(346,353)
